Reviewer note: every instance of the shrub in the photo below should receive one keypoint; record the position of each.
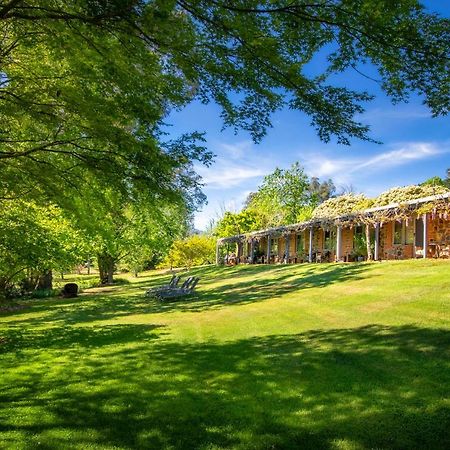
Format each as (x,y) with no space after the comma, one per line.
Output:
(192,251)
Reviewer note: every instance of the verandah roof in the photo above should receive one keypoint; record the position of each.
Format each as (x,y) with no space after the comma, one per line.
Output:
(378,214)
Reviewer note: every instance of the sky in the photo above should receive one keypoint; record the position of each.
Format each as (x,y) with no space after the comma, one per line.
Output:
(414,147)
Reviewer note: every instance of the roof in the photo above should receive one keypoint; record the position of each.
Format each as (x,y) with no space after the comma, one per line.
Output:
(352,217)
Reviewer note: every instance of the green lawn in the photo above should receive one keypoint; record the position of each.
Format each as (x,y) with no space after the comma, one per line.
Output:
(263,357)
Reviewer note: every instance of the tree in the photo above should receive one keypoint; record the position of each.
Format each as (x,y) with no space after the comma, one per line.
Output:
(128,230)
(82,97)
(321,191)
(288,196)
(85,85)
(193,250)
(238,223)
(438,181)
(35,240)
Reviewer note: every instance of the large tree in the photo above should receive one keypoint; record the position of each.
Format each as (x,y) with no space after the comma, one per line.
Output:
(34,240)
(288,196)
(85,85)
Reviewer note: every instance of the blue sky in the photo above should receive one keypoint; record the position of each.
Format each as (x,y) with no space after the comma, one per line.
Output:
(415,147)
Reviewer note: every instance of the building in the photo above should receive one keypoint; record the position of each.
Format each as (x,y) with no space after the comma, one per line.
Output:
(413,229)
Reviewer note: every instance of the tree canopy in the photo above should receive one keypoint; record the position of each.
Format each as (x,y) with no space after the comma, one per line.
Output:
(35,239)
(288,196)
(86,85)
(193,250)
(238,223)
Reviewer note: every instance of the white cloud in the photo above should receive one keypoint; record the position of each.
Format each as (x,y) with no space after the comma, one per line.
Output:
(224,174)
(237,164)
(343,170)
(406,153)
(237,150)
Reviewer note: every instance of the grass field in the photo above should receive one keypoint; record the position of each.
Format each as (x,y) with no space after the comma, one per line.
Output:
(351,356)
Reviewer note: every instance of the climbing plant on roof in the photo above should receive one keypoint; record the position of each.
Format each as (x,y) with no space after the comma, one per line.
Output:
(407,193)
(342,205)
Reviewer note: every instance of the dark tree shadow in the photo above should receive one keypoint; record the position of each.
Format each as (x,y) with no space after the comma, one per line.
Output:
(381,387)
(18,339)
(239,285)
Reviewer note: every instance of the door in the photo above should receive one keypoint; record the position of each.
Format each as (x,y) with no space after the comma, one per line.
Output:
(419,233)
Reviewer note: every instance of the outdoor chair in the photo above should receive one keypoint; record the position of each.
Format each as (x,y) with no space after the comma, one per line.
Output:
(171,285)
(176,293)
(186,283)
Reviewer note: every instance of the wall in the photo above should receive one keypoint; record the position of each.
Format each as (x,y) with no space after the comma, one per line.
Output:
(347,242)
(439,233)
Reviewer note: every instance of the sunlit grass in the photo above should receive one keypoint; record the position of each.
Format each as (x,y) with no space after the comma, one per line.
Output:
(349,356)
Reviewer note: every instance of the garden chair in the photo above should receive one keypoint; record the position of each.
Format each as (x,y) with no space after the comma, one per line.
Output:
(171,285)
(187,282)
(172,294)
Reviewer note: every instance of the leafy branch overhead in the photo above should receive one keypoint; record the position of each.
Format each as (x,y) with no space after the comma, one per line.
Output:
(87,84)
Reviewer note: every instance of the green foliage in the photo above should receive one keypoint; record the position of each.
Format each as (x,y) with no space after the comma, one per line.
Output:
(85,86)
(433,181)
(288,196)
(238,223)
(339,206)
(438,181)
(192,251)
(321,191)
(403,194)
(85,102)
(34,239)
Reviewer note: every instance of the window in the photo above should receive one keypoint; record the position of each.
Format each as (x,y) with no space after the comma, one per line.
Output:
(300,243)
(409,232)
(398,232)
(274,246)
(404,233)
(358,236)
(329,240)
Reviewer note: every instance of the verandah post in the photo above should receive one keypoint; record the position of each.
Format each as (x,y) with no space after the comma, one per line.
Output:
(239,253)
(339,243)
(217,252)
(286,239)
(377,242)
(425,235)
(269,242)
(310,255)
(368,247)
(252,251)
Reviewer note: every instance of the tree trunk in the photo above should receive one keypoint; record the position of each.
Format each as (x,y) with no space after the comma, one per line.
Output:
(369,247)
(3,287)
(106,268)
(45,280)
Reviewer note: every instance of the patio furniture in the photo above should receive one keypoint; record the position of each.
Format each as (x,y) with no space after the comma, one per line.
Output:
(171,285)
(176,293)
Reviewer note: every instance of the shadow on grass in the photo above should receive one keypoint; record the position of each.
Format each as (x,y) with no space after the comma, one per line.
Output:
(238,285)
(18,339)
(368,387)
